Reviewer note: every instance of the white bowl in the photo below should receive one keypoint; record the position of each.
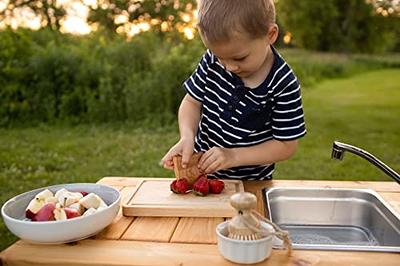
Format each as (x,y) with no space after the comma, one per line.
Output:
(244,251)
(56,232)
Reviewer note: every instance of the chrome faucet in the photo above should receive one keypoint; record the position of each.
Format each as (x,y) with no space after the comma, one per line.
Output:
(339,148)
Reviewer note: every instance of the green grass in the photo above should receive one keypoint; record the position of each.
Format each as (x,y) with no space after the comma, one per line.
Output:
(37,157)
(363,110)
(311,67)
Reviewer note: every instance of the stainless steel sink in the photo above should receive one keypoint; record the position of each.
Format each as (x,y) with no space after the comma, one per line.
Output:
(334,219)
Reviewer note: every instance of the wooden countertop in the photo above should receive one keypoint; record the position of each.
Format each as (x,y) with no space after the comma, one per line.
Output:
(186,240)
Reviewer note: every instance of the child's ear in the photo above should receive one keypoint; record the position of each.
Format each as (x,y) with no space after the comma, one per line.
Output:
(273,32)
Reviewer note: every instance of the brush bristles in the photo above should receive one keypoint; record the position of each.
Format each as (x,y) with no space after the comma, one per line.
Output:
(254,236)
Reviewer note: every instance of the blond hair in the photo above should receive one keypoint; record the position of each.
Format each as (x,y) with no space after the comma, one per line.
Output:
(220,20)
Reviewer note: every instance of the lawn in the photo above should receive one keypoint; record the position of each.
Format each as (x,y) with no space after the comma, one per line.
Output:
(363,110)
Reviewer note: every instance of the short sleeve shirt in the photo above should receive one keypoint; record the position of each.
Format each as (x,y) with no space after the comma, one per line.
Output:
(236,116)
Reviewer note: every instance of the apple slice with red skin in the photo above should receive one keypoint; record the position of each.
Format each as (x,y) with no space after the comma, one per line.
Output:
(71,213)
(46,213)
(33,208)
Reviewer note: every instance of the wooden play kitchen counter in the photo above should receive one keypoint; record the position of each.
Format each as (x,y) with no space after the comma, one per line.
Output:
(187,240)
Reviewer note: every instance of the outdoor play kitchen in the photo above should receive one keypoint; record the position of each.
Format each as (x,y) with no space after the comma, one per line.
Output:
(193,220)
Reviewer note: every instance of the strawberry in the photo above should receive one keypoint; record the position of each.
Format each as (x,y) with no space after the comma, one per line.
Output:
(173,186)
(216,186)
(201,187)
(180,186)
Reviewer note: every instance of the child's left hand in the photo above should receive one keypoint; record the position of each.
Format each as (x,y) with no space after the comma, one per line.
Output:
(216,159)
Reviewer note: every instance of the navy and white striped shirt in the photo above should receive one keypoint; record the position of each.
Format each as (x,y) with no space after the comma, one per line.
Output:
(236,116)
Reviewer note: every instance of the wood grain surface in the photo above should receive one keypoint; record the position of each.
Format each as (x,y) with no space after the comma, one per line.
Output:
(154,198)
(187,240)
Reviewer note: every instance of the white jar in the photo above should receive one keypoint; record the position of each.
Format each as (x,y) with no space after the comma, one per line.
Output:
(244,251)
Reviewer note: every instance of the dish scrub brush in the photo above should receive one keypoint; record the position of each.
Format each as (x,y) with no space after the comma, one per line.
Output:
(246,224)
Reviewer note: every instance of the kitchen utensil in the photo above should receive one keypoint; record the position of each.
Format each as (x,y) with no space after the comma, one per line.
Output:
(246,224)
(153,197)
(191,172)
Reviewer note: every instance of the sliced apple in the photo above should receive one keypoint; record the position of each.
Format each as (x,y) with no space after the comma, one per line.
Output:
(44,194)
(51,199)
(61,195)
(60,192)
(66,198)
(91,201)
(46,213)
(38,202)
(59,213)
(89,211)
(72,198)
(77,206)
(71,213)
(33,207)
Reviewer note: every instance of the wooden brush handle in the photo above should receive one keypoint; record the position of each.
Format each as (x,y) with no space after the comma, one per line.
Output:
(191,172)
(243,201)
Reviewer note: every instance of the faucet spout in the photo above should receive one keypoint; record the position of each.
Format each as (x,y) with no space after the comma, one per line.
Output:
(339,148)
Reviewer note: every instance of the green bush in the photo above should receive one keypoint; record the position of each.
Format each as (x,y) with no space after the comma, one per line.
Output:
(50,77)
(160,89)
(119,60)
(15,49)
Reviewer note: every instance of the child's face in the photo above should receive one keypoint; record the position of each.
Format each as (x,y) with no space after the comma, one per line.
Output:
(242,55)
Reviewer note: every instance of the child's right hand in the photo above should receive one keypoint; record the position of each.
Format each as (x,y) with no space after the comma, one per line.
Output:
(184,147)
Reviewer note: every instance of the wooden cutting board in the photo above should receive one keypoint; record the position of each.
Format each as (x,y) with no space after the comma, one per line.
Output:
(153,197)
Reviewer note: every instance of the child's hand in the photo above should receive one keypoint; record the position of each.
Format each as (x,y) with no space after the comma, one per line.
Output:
(184,147)
(216,159)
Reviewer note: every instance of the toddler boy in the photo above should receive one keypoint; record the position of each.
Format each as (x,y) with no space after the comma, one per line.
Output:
(243,105)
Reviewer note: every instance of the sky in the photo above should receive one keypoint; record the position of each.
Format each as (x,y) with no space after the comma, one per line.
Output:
(75,21)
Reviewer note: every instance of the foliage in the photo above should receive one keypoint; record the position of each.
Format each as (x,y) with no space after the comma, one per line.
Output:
(352,26)
(50,12)
(91,79)
(15,48)
(339,25)
(49,77)
(168,11)
(160,89)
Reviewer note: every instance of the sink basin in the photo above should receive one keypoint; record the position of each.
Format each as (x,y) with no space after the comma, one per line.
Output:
(334,219)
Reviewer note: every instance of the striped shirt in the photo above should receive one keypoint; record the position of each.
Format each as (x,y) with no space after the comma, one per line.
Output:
(236,116)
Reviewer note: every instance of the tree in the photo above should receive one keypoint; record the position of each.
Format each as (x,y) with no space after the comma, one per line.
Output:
(49,12)
(162,15)
(338,25)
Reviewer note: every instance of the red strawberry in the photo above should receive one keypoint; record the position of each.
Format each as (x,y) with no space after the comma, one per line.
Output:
(84,193)
(173,186)
(201,187)
(216,186)
(180,186)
